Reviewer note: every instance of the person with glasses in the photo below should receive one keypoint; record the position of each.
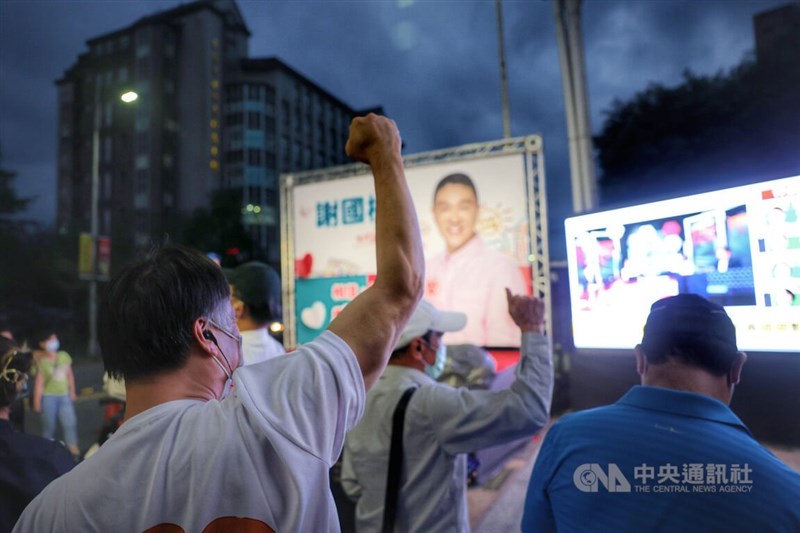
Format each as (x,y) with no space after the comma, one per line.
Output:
(442,424)
(27,462)
(194,453)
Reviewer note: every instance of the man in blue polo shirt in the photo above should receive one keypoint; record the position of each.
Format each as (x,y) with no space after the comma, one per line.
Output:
(669,455)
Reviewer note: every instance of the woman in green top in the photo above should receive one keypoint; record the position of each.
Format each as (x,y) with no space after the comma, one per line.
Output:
(54,391)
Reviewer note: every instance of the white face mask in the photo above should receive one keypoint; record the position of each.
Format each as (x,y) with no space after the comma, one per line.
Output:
(435,370)
(52,346)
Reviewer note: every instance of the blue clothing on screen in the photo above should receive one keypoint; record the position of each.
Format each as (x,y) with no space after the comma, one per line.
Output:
(659,460)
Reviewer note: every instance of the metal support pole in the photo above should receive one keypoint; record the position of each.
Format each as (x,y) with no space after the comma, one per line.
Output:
(503,78)
(576,104)
(94,230)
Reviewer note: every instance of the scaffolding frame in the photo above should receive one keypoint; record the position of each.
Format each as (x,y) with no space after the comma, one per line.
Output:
(536,202)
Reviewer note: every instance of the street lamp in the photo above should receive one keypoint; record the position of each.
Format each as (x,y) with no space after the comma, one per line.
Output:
(127,97)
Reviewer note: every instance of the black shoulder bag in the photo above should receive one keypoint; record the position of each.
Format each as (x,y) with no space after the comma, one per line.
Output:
(395,461)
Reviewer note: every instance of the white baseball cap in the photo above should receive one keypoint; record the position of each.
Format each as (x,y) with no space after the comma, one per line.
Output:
(427,318)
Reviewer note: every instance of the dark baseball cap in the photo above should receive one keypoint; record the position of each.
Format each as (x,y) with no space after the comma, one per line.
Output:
(255,283)
(689,315)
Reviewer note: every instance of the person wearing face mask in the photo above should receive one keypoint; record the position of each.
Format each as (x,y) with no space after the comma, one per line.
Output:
(442,424)
(54,390)
(194,454)
(27,462)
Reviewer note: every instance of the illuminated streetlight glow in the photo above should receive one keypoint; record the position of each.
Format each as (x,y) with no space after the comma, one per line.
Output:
(129,97)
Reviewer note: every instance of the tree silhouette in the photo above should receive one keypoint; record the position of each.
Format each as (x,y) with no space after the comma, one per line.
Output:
(705,133)
(10,202)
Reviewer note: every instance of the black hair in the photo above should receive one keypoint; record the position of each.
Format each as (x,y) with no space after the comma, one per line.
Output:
(21,362)
(42,334)
(261,313)
(455,179)
(711,355)
(147,315)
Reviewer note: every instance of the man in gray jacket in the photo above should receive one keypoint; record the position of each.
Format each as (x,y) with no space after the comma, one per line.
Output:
(442,423)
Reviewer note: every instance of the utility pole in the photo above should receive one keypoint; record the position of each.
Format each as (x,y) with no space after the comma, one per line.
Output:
(576,104)
(503,78)
(94,225)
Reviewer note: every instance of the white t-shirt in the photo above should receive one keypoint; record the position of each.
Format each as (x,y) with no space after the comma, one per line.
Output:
(258,345)
(262,453)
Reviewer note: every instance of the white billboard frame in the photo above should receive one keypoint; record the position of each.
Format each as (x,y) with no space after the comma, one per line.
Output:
(536,202)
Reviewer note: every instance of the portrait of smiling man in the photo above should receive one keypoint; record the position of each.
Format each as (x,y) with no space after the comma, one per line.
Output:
(469,275)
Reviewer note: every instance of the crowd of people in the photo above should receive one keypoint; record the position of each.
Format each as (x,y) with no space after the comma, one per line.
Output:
(224,431)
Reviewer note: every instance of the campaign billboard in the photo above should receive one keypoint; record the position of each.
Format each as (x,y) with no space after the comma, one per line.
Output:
(476,233)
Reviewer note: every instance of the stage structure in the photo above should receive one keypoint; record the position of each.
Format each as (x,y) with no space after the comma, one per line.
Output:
(328,230)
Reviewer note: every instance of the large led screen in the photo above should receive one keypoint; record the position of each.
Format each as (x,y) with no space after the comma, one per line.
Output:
(739,247)
(472,250)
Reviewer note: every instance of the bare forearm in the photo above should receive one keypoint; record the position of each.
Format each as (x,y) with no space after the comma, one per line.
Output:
(400,263)
(71,381)
(371,323)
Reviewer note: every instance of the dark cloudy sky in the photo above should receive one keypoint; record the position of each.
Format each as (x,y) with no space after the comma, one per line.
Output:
(431,64)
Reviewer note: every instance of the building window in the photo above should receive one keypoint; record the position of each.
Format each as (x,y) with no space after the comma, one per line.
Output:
(107,149)
(122,74)
(235,156)
(107,111)
(234,94)
(142,50)
(269,143)
(254,158)
(286,111)
(253,120)
(235,119)
(143,67)
(286,150)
